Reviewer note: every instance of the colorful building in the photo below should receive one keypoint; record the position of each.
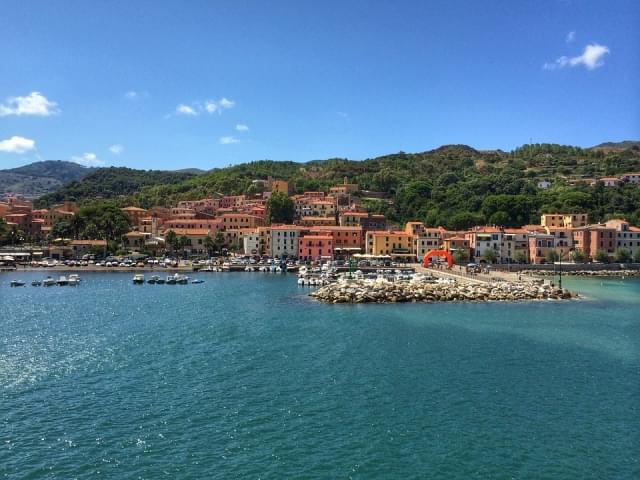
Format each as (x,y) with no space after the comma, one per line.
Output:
(315,247)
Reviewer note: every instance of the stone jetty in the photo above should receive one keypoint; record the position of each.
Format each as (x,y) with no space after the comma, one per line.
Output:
(363,291)
(593,273)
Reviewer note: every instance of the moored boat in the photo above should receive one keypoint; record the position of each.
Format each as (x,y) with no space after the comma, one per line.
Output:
(138,279)
(36,283)
(154,279)
(62,280)
(17,283)
(48,282)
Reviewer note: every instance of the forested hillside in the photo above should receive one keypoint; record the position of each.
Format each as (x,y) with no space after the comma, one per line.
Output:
(112,182)
(454,186)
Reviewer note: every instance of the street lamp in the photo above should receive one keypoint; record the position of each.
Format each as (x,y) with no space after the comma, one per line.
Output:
(560,279)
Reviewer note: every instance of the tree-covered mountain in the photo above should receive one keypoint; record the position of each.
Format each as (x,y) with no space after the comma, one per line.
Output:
(112,182)
(455,186)
(39,178)
(619,145)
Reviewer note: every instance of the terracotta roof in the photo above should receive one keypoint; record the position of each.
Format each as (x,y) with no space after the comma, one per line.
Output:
(188,231)
(89,242)
(317,237)
(133,209)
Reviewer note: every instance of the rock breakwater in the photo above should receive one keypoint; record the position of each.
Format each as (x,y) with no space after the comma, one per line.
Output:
(359,291)
(593,273)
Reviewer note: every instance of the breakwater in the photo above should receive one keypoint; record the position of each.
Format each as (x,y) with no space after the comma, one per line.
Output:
(594,273)
(362,291)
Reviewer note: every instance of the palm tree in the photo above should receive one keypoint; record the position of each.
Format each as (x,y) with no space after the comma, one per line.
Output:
(183,242)
(208,244)
(171,239)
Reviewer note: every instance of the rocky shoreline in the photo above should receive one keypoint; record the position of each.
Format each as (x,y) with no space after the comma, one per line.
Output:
(362,291)
(592,273)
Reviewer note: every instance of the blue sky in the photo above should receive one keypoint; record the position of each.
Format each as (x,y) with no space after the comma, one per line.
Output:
(159,84)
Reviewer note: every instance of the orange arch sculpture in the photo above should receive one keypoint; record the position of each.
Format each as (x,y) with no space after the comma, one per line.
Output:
(437,253)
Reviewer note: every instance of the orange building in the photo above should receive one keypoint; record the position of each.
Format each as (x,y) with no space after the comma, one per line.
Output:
(346,240)
(315,247)
(134,214)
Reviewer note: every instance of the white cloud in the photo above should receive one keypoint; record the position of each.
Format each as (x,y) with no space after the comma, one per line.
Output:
(183,109)
(17,145)
(209,106)
(225,103)
(343,114)
(591,58)
(135,95)
(33,104)
(88,159)
(242,128)
(116,149)
(228,140)
(571,36)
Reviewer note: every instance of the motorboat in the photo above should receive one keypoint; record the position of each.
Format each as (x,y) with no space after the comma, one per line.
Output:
(73,281)
(48,282)
(138,279)
(36,283)
(197,280)
(171,280)
(154,279)
(75,277)
(62,280)
(17,283)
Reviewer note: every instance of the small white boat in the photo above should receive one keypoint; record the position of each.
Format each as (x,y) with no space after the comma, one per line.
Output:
(36,283)
(17,283)
(154,279)
(48,282)
(73,281)
(138,279)
(197,280)
(75,276)
(62,280)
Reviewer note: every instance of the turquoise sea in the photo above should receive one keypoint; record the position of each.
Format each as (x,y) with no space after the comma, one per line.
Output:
(245,376)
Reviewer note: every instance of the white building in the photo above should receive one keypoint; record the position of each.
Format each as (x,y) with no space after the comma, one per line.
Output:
(284,240)
(544,184)
(627,237)
(428,239)
(631,177)
(483,239)
(251,243)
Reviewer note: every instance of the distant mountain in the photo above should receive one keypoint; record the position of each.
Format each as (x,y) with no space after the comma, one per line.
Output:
(39,178)
(618,145)
(195,171)
(112,182)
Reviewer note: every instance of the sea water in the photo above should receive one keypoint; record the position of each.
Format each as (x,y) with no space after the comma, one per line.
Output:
(245,376)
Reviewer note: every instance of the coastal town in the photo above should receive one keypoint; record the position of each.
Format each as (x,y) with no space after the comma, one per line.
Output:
(325,226)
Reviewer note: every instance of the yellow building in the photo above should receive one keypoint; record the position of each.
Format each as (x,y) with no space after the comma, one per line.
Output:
(280,186)
(568,220)
(397,244)
(322,208)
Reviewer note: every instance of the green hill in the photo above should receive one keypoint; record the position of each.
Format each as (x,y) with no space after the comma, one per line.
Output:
(39,178)
(110,183)
(455,185)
